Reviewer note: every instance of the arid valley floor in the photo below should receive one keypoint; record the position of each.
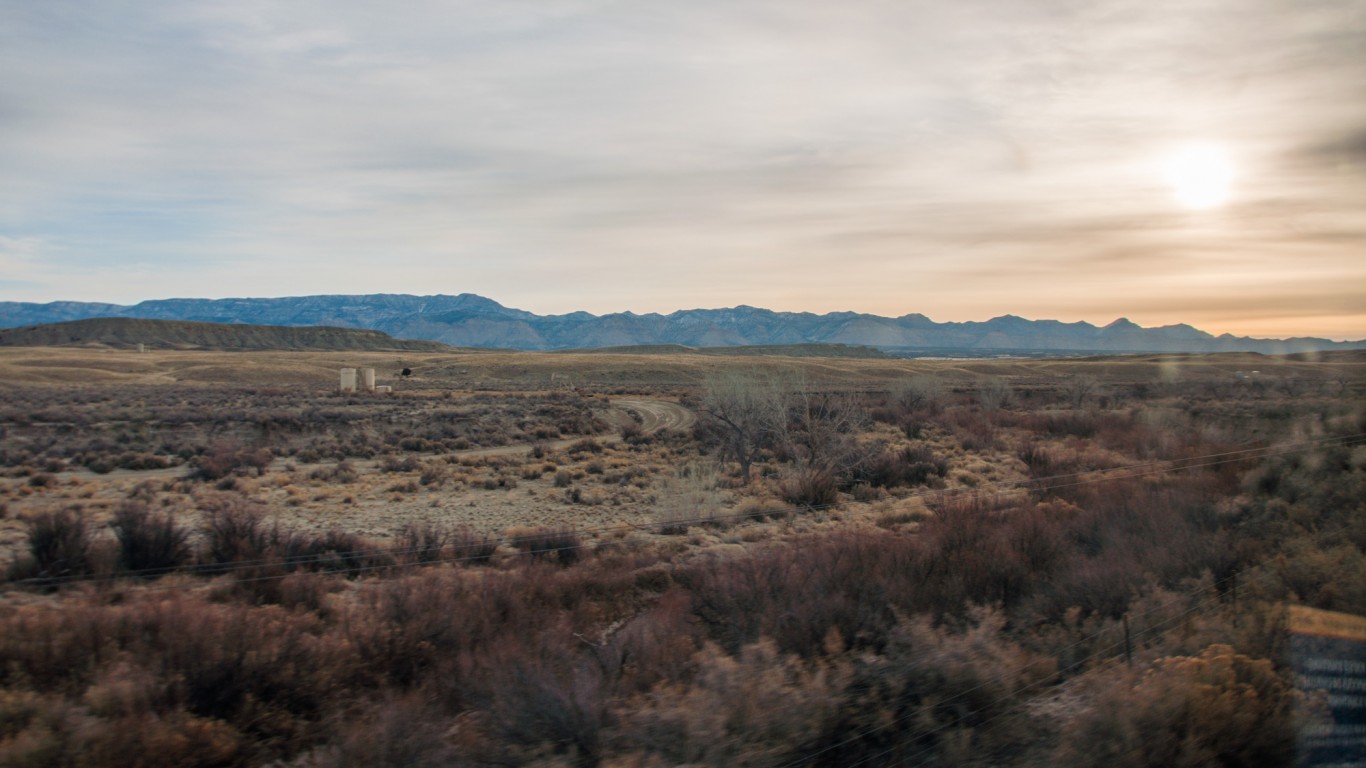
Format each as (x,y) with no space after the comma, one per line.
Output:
(215,558)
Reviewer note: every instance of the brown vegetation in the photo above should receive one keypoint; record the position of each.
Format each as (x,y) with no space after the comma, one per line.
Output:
(941,572)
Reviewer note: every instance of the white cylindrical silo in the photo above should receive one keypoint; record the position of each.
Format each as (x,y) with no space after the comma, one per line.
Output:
(348,379)
(367,379)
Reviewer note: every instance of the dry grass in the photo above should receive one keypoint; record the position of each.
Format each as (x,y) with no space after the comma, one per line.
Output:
(578,598)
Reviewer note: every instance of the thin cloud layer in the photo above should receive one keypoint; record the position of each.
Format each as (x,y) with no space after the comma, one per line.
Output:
(960,160)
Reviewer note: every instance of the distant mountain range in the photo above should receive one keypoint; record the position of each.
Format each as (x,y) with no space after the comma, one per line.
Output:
(178,334)
(469,320)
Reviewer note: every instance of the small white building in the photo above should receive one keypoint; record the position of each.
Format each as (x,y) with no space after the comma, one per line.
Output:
(357,380)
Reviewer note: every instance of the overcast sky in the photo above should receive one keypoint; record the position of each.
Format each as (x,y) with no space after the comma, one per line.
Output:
(962,159)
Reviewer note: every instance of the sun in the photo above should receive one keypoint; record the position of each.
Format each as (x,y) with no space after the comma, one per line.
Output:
(1200,175)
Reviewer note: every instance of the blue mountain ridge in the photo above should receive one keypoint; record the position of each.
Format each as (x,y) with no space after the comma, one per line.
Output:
(471,320)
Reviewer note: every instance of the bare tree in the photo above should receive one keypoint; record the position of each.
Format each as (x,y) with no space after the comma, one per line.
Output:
(750,407)
(820,427)
(1078,389)
(994,392)
(921,392)
(759,410)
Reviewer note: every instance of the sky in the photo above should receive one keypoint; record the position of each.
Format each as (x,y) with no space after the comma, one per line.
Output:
(962,159)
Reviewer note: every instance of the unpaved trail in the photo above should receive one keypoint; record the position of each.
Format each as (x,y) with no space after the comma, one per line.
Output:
(656,415)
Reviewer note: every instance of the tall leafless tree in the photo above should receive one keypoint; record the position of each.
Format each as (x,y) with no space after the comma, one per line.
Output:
(759,409)
(750,407)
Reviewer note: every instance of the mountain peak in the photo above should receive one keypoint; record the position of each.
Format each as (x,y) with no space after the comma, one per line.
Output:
(1123,324)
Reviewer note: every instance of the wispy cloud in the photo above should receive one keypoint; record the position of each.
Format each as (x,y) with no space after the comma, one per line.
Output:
(956,159)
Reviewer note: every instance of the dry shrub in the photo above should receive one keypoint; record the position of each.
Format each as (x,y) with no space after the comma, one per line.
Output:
(965,557)
(398,730)
(420,543)
(301,589)
(46,730)
(758,707)
(758,509)
(343,472)
(911,466)
(541,698)
(234,532)
(1069,423)
(974,429)
(811,487)
(392,463)
(149,544)
(334,551)
(559,544)
(994,393)
(633,434)
(469,546)
(1218,708)
(1037,458)
(895,518)
(795,592)
(1331,576)
(586,445)
(216,684)
(865,493)
(224,459)
(60,546)
(435,474)
(656,645)
(689,498)
(940,694)
(591,497)
(919,393)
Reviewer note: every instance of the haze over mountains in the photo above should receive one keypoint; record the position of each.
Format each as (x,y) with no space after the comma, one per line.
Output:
(470,320)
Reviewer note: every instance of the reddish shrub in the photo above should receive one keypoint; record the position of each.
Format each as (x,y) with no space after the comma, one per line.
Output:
(560,544)
(149,544)
(59,545)
(811,487)
(224,459)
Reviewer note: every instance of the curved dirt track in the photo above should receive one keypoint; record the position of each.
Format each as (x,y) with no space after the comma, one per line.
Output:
(657,414)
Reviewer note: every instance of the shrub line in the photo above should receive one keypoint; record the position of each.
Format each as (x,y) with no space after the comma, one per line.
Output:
(1104,651)
(1088,478)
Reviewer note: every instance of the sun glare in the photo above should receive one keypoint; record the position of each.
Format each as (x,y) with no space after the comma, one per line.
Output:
(1200,175)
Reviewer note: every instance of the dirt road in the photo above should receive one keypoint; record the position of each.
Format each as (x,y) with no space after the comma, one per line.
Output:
(657,414)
